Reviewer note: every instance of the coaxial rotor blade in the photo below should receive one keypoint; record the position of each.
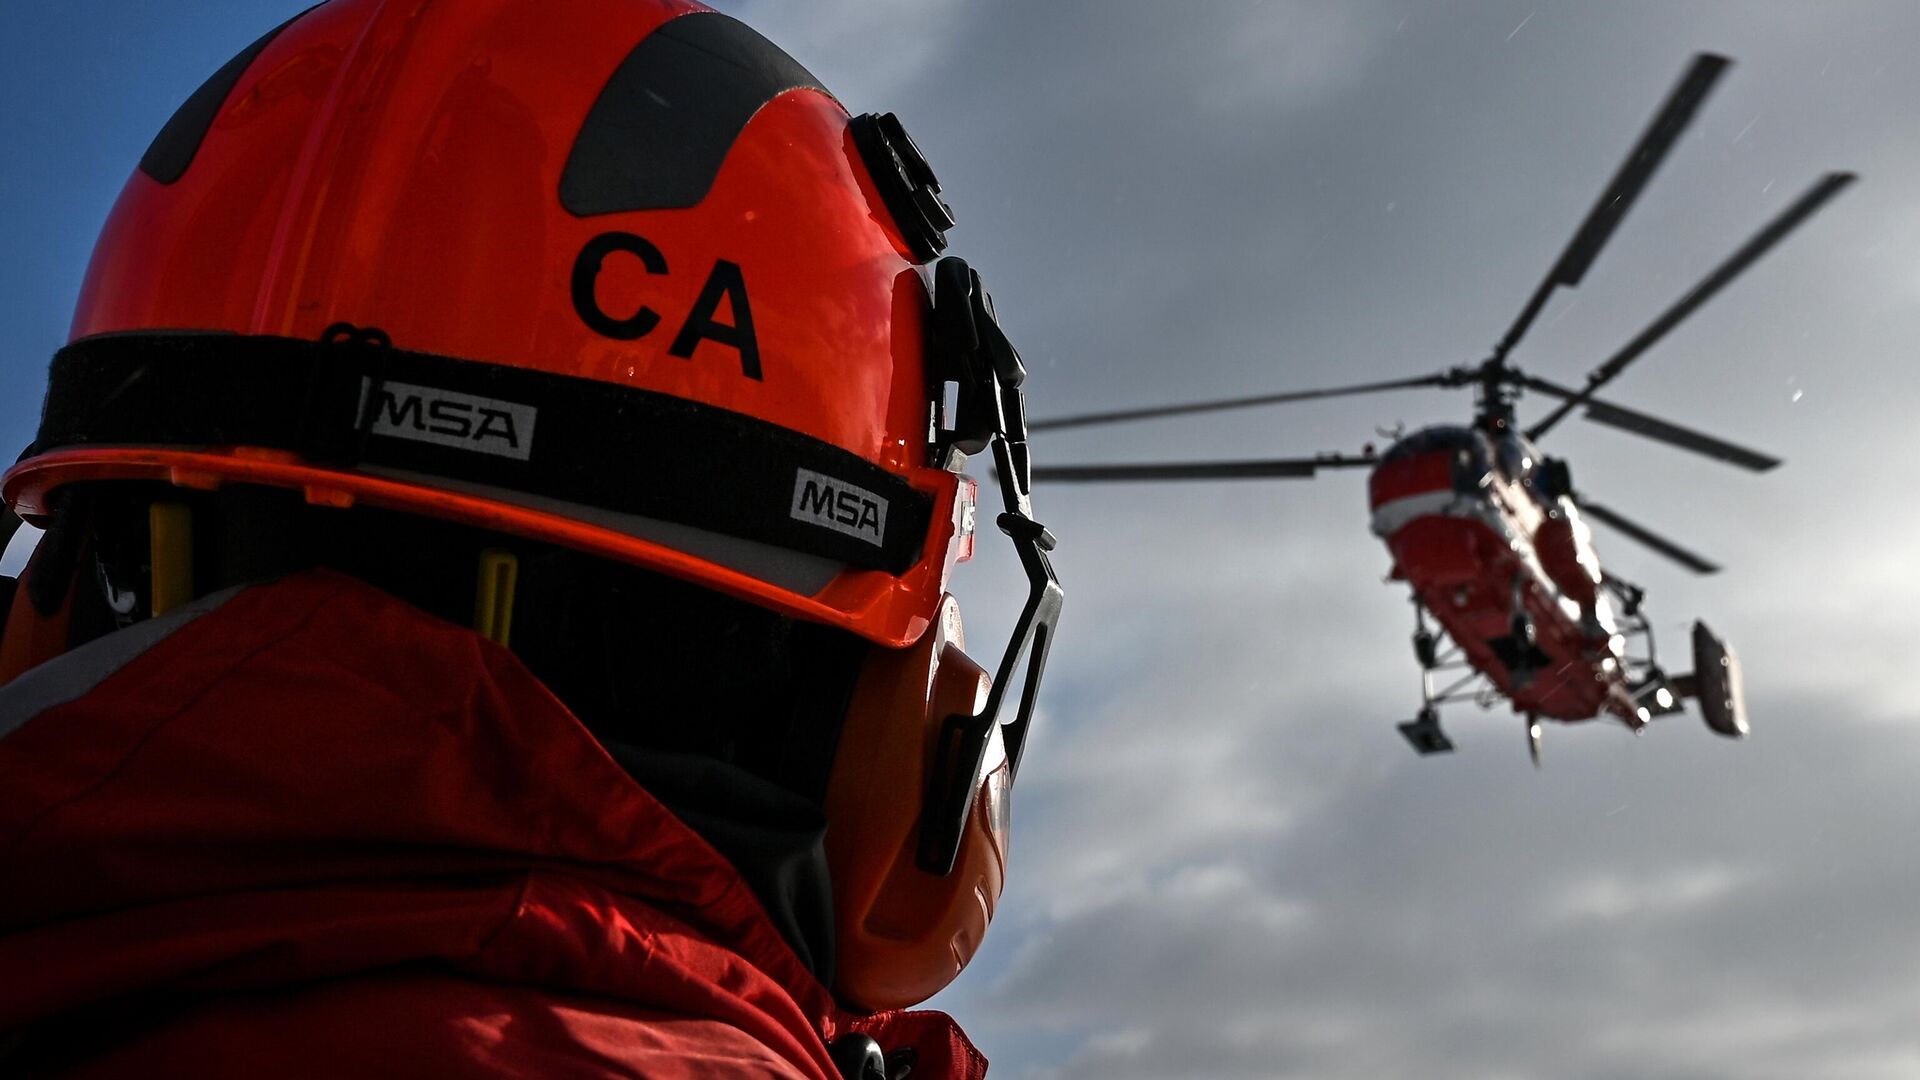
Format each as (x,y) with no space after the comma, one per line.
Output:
(1648,537)
(1653,427)
(1619,194)
(1776,230)
(1268,469)
(1151,412)
(1674,435)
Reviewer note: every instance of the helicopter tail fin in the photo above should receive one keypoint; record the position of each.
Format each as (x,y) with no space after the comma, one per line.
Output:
(1716,684)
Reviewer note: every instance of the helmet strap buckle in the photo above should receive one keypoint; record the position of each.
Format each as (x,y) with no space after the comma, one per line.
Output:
(345,334)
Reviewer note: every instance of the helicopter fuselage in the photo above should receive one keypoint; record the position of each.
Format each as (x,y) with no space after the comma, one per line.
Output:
(1503,562)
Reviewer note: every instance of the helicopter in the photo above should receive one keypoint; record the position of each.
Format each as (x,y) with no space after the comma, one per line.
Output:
(1509,599)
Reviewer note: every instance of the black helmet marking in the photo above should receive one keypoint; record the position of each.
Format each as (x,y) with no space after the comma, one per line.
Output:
(657,135)
(172,150)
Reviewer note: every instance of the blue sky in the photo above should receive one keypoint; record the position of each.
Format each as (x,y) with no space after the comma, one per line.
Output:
(86,85)
(1226,863)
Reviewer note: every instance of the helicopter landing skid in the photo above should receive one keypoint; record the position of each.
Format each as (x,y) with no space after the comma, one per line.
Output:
(1436,654)
(1424,734)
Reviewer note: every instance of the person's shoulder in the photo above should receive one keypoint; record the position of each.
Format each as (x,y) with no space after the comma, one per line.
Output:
(418,1023)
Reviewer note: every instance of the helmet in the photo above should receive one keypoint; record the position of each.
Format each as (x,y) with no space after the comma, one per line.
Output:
(619,277)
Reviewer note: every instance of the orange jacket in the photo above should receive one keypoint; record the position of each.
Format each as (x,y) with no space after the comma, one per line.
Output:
(306,830)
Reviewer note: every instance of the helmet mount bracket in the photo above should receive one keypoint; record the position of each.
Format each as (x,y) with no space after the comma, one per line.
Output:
(976,353)
(906,183)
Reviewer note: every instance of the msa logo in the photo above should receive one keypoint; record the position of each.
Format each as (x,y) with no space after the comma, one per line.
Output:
(840,506)
(462,421)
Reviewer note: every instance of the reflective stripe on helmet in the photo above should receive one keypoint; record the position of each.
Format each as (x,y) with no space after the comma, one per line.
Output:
(623,450)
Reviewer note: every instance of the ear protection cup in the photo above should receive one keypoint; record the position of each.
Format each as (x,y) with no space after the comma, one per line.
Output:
(38,624)
(903,933)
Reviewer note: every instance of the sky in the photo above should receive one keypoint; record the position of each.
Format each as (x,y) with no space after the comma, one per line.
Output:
(1226,862)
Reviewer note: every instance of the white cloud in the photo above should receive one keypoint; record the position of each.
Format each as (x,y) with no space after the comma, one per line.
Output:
(868,54)
(1284,56)
(1638,894)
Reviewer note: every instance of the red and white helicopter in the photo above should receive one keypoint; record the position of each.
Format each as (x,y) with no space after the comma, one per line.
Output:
(1491,536)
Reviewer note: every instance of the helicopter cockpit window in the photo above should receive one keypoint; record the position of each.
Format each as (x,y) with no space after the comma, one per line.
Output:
(1472,461)
(1468,450)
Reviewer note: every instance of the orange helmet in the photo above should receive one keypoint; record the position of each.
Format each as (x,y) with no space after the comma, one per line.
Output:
(622,277)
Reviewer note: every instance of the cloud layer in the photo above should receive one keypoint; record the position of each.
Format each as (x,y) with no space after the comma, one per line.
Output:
(1227,864)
